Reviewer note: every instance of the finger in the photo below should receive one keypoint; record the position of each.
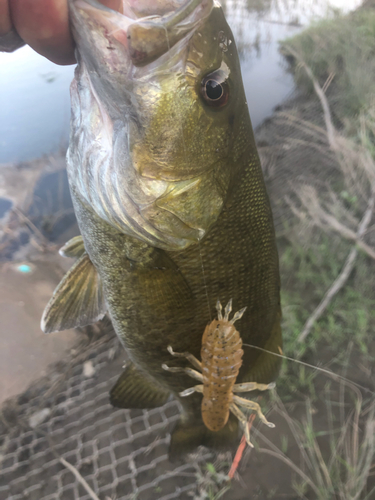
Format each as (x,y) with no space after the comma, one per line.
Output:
(44,25)
(5,21)
(112,4)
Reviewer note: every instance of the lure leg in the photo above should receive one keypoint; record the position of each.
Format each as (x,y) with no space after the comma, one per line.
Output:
(191,390)
(189,371)
(252,386)
(243,421)
(193,360)
(251,405)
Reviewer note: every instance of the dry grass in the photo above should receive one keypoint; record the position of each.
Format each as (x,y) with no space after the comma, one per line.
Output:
(329,213)
(334,463)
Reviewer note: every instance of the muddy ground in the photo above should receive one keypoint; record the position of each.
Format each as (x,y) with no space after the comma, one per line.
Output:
(37,217)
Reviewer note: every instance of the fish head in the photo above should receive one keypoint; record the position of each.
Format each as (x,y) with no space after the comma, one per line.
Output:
(158,109)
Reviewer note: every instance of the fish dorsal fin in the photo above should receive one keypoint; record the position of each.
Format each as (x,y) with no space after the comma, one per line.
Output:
(78,299)
(73,248)
(135,390)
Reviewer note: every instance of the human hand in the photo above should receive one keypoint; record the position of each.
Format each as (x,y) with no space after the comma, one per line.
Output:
(43,24)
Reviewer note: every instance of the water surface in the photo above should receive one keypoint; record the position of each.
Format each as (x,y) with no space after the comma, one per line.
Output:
(34,93)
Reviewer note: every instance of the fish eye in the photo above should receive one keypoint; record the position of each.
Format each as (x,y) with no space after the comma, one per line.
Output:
(214,89)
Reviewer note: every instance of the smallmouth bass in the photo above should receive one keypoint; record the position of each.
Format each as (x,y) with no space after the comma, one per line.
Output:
(170,200)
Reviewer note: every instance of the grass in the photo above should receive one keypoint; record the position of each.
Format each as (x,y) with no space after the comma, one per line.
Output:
(336,450)
(344,47)
(334,59)
(316,243)
(212,482)
(307,273)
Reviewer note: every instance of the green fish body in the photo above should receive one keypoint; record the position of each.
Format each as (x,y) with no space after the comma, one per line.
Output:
(170,200)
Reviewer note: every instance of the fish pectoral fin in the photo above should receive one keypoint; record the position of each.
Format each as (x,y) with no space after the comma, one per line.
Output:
(135,390)
(78,299)
(73,248)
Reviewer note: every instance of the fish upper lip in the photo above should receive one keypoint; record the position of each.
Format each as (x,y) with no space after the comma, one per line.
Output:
(147,38)
(150,38)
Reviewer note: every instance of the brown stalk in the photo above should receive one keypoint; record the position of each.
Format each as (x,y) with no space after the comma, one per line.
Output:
(343,276)
(336,143)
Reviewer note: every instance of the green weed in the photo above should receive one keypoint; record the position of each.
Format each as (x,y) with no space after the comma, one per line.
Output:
(306,274)
(212,483)
(344,47)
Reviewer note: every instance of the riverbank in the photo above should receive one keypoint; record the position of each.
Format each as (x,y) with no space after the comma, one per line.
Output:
(318,156)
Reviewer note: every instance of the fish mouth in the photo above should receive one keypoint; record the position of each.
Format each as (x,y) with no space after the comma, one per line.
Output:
(117,51)
(147,28)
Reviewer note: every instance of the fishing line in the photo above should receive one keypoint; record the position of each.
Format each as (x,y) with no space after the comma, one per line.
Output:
(185,155)
(204,281)
(166,37)
(323,370)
